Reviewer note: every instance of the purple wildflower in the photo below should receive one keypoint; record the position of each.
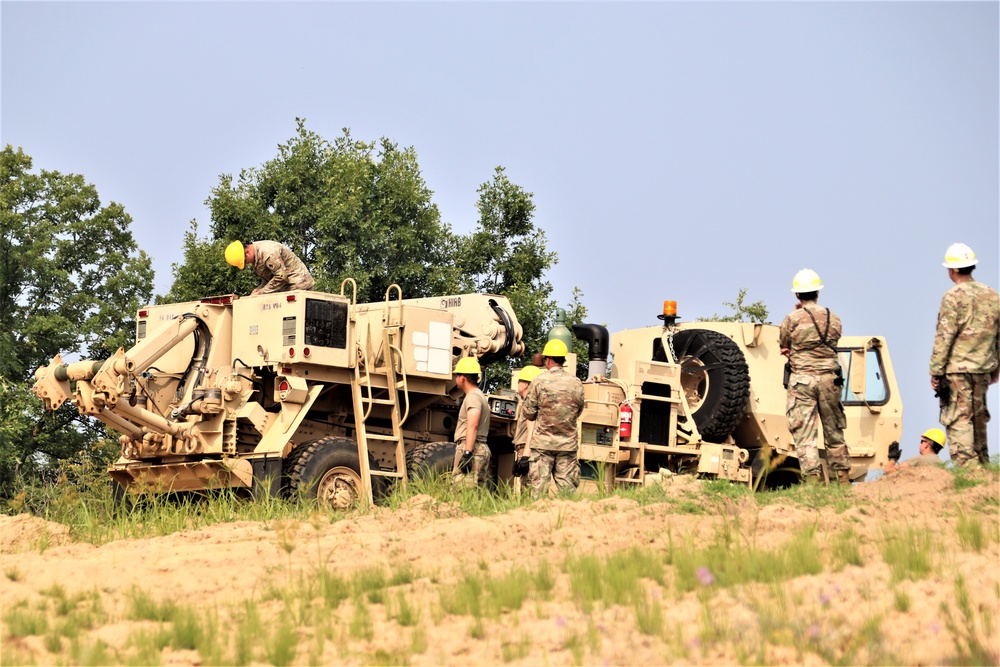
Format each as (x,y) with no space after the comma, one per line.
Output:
(561,621)
(705,576)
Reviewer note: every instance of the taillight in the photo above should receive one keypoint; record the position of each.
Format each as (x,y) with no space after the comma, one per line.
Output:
(305,352)
(291,351)
(143,313)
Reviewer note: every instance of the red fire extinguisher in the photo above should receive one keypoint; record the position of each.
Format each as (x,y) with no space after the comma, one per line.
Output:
(625,424)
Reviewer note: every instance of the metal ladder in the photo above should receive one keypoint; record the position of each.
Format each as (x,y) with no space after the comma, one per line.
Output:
(363,394)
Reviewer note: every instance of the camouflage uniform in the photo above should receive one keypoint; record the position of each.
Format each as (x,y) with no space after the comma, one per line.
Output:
(279,268)
(554,402)
(967,352)
(813,392)
(481,454)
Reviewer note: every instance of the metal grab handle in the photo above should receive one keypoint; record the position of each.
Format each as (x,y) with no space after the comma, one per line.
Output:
(402,372)
(354,289)
(399,303)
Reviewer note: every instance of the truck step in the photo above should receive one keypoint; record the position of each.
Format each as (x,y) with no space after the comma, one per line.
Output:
(378,401)
(387,473)
(379,436)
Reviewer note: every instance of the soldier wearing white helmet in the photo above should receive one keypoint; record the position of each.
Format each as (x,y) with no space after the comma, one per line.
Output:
(808,337)
(966,356)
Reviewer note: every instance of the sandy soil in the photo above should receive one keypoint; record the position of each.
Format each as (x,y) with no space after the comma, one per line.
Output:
(225,564)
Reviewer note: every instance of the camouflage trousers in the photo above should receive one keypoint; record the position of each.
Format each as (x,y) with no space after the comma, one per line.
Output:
(965,416)
(815,400)
(545,465)
(480,472)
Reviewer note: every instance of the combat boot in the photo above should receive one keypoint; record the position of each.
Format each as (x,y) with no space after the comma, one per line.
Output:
(844,476)
(813,479)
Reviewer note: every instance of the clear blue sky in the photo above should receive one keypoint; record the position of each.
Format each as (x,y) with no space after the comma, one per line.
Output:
(675,150)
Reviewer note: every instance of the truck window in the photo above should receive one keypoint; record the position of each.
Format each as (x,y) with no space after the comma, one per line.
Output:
(876,389)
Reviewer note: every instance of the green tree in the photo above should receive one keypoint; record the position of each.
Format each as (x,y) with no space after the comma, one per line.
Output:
(506,255)
(71,280)
(347,208)
(742,312)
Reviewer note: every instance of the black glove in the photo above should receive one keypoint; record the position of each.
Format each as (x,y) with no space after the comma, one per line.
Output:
(521,467)
(943,392)
(465,463)
(894,452)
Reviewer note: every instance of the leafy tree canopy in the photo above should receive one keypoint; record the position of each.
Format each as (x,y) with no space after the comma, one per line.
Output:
(71,280)
(355,209)
(347,208)
(742,312)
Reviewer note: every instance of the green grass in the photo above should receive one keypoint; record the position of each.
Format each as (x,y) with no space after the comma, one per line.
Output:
(908,552)
(846,550)
(614,579)
(971,628)
(732,559)
(971,533)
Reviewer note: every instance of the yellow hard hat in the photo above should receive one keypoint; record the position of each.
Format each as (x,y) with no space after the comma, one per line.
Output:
(959,256)
(935,435)
(806,280)
(555,348)
(235,254)
(468,366)
(528,373)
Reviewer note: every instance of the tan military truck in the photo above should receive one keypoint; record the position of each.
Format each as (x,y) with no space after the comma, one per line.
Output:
(312,392)
(707,398)
(298,391)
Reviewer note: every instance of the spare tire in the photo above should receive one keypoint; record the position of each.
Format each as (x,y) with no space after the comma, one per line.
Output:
(715,380)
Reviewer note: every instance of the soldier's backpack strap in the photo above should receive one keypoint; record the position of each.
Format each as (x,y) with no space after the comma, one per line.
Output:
(826,332)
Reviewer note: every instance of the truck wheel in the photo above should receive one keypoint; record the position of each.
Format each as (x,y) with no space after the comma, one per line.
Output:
(431,459)
(715,380)
(327,470)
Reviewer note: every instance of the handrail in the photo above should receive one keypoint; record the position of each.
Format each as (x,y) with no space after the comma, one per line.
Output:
(406,389)
(354,290)
(399,303)
(368,381)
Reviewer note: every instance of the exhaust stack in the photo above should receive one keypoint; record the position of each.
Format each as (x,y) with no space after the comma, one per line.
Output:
(598,342)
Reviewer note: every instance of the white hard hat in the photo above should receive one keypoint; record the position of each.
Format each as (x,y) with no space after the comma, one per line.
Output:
(959,256)
(806,280)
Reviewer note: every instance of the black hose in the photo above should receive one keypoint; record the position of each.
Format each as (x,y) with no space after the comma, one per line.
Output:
(203,343)
(508,342)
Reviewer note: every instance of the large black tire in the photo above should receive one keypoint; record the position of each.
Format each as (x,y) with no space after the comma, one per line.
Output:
(431,459)
(328,470)
(715,379)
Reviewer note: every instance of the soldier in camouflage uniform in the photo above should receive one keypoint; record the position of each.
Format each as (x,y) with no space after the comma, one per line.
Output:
(966,356)
(554,402)
(523,429)
(277,266)
(472,454)
(808,337)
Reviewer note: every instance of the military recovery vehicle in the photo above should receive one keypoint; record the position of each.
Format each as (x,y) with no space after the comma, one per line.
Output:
(707,398)
(309,392)
(297,391)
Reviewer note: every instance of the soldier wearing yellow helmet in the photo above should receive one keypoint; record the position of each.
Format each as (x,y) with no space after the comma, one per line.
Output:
(277,266)
(931,443)
(808,337)
(554,402)
(472,454)
(966,356)
(523,429)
